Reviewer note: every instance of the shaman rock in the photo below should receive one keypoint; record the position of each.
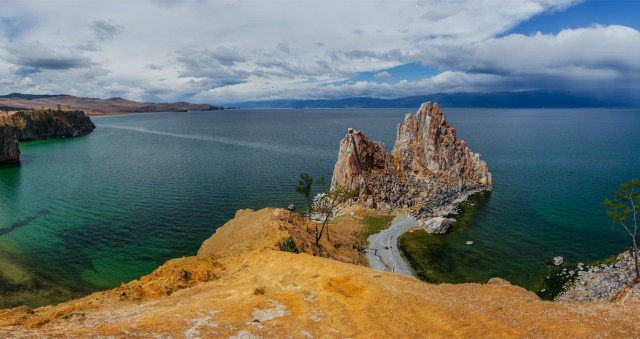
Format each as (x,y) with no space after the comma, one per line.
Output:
(428,168)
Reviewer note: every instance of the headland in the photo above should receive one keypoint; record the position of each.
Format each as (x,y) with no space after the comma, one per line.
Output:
(37,125)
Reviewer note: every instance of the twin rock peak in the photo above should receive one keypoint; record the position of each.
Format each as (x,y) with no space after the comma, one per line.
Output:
(427,170)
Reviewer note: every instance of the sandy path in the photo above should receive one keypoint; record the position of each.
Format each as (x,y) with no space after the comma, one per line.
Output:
(390,260)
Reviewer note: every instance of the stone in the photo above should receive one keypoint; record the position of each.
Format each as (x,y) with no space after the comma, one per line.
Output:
(437,225)
(558,261)
(9,148)
(427,170)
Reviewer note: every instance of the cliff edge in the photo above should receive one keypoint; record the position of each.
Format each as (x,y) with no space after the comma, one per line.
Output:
(242,285)
(9,147)
(37,125)
(428,168)
(45,124)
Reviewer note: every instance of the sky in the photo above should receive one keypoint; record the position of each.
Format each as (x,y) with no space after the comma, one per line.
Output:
(224,51)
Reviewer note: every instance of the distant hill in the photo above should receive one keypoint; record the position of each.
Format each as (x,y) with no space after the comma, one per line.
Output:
(29,96)
(525,99)
(95,106)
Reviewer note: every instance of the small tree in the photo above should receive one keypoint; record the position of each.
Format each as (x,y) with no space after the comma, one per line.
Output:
(626,202)
(304,188)
(332,199)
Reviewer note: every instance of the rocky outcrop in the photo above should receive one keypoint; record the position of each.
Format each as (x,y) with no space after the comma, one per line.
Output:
(612,282)
(358,158)
(45,124)
(40,124)
(428,168)
(9,149)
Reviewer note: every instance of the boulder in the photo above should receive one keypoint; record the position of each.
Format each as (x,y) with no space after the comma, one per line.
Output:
(437,225)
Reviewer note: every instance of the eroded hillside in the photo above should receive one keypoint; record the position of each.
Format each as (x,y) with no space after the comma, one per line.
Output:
(242,285)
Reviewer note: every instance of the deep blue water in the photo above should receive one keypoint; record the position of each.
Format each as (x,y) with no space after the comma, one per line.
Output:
(91,212)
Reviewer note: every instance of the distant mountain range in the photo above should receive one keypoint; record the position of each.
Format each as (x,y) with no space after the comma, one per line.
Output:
(525,99)
(94,106)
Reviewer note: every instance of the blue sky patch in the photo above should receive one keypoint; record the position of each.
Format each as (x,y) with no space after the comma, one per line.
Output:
(585,14)
(12,27)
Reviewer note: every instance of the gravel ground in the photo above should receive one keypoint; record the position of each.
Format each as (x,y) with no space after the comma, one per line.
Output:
(390,260)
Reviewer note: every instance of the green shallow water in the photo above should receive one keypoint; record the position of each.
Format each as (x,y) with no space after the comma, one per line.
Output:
(88,213)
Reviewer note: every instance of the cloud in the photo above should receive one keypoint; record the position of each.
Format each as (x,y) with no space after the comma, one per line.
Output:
(154,67)
(39,56)
(284,47)
(382,75)
(222,50)
(104,30)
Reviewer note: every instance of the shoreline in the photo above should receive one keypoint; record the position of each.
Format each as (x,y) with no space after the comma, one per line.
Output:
(92,114)
(391,260)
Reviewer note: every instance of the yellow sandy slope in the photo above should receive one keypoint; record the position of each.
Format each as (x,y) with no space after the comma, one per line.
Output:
(241,285)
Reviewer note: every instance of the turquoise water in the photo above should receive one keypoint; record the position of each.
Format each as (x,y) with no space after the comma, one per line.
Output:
(88,213)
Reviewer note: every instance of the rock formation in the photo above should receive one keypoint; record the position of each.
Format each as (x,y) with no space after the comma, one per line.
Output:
(427,169)
(9,149)
(612,282)
(40,124)
(36,125)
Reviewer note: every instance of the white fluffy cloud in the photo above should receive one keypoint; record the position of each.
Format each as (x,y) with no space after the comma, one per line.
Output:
(220,51)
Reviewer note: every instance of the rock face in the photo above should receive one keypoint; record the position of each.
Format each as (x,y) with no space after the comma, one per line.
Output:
(9,149)
(36,125)
(358,156)
(427,169)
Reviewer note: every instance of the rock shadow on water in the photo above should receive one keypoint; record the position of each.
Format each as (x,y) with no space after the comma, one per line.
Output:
(23,223)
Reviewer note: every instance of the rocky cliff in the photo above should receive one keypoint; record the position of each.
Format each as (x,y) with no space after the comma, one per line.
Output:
(45,124)
(428,167)
(9,149)
(39,124)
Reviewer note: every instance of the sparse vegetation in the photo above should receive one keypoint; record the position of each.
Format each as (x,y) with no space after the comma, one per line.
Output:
(72,314)
(333,198)
(289,245)
(373,225)
(304,188)
(626,203)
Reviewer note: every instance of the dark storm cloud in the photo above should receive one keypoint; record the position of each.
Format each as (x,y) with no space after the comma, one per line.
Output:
(38,56)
